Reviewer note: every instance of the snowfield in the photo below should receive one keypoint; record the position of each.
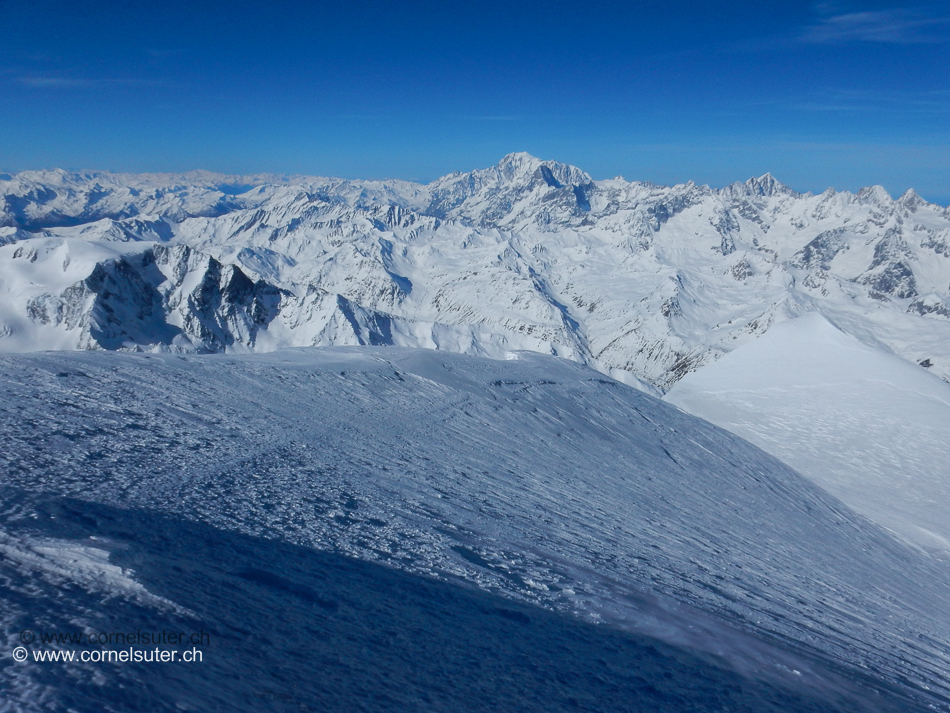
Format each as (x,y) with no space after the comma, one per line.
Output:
(868,427)
(383,528)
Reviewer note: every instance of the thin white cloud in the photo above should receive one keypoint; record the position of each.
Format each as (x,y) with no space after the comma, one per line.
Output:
(932,102)
(492,118)
(48,81)
(895,26)
(40,82)
(165,53)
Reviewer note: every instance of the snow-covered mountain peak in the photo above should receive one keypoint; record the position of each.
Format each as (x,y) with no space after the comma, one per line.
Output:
(517,167)
(766,185)
(518,162)
(519,170)
(911,200)
(876,195)
(508,192)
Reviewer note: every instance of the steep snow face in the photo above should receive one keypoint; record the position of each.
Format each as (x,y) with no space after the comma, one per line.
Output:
(642,282)
(533,478)
(868,427)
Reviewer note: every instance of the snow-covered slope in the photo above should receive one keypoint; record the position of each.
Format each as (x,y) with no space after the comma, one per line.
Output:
(642,282)
(868,427)
(205,488)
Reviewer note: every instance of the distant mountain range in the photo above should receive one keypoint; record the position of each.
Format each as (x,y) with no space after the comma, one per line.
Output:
(642,282)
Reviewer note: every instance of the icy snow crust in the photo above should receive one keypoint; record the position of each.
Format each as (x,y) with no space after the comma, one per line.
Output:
(225,483)
(642,282)
(868,427)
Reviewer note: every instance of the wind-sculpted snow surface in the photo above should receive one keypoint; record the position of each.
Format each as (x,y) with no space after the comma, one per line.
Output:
(642,282)
(253,496)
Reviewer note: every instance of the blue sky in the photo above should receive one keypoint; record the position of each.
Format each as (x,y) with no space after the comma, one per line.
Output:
(819,94)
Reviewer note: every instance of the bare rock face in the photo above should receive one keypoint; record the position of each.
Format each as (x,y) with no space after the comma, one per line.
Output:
(165,296)
(642,282)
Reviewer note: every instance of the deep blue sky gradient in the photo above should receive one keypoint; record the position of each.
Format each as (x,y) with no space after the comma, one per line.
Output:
(827,94)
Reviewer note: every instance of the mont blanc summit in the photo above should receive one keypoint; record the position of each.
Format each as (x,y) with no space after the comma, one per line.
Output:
(643,282)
